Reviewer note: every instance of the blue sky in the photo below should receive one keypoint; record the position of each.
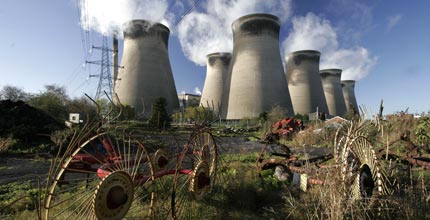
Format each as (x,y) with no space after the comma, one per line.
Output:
(385,42)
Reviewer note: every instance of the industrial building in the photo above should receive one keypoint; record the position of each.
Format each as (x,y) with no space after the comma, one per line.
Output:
(304,82)
(146,74)
(333,91)
(256,80)
(217,69)
(188,100)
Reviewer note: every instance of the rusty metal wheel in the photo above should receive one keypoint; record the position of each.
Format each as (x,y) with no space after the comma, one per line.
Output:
(113,196)
(204,148)
(101,178)
(361,171)
(186,177)
(200,180)
(161,159)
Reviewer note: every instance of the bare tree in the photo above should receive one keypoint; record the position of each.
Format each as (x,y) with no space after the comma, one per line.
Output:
(13,93)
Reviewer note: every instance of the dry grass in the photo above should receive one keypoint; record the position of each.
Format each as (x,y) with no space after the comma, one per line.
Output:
(316,134)
(6,144)
(331,202)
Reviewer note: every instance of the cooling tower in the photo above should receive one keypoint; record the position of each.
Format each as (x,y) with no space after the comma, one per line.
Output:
(256,78)
(146,73)
(304,82)
(216,73)
(333,91)
(348,88)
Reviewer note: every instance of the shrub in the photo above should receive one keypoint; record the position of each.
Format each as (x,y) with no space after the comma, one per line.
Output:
(159,117)
(422,131)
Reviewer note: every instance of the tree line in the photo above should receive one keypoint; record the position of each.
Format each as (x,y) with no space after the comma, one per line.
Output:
(53,100)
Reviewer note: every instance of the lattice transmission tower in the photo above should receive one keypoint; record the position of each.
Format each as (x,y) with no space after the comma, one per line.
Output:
(105,76)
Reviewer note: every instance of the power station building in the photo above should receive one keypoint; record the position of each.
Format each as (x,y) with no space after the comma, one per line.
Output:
(333,91)
(188,100)
(146,74)
(216,74)
(304,82)
(256,81)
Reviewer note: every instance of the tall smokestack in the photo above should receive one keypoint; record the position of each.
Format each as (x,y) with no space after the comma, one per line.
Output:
(304,82)
(333,91)
(256,77)
(216,73)
(146,73)
(115,58)
(348,88)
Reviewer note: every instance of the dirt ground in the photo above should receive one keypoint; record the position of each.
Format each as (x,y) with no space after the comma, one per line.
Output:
(14,169)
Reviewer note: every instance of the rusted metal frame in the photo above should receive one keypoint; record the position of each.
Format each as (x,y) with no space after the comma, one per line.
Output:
(415,160)
(140,180)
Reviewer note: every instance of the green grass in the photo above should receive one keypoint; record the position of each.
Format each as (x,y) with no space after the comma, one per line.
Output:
(17,200)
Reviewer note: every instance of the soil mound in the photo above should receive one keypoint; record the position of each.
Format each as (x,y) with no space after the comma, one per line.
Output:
(22,121)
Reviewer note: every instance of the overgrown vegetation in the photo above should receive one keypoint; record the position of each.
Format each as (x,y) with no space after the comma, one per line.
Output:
(195,114)
(240,193)
(19,200)
(422,132)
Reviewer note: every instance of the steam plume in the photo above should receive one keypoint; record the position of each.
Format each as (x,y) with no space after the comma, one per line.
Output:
(314,33)
(197,91)
(209,31)
(106,16)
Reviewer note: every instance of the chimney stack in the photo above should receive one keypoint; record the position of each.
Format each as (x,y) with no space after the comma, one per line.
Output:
(115,58)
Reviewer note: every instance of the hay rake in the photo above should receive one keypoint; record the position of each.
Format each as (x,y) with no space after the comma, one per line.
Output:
(112,173)
(355,161)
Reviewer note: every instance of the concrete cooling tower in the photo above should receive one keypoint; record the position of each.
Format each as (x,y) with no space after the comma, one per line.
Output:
(333,91)
(256,77)
(146,73)
(304,82)
(348,88)
(216,74)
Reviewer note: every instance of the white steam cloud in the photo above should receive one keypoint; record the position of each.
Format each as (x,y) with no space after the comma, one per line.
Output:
(314,33)
(201,33)
(106,16)
(197,91)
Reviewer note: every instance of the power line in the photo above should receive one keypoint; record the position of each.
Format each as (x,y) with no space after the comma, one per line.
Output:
(187,12)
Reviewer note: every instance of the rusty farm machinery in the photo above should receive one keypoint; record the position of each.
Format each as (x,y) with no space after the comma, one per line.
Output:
(355,160)
(114,172)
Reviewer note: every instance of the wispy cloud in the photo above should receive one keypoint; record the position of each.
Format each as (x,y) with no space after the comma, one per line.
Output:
(314,33)
(352,19)
(392,21)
